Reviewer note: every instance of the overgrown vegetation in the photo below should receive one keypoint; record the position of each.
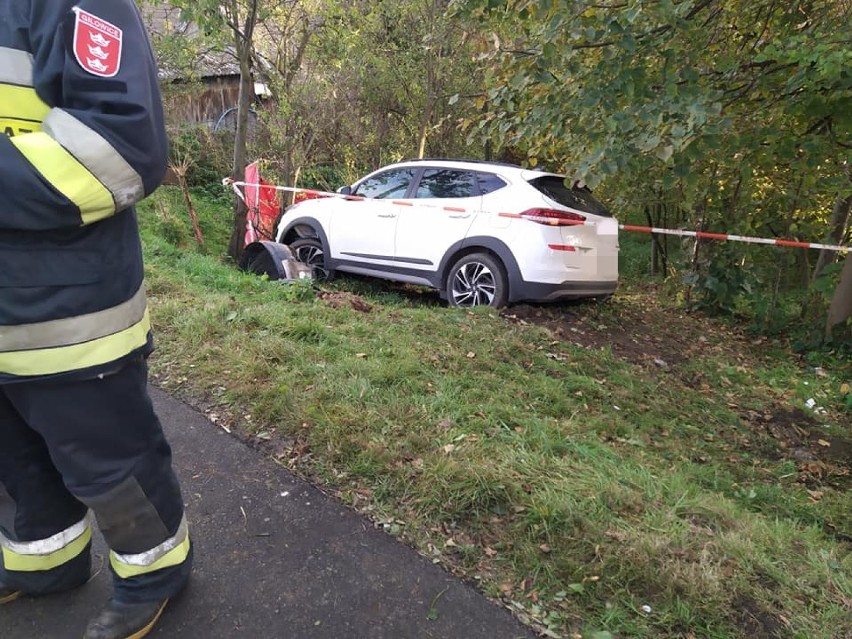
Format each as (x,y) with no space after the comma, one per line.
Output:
(620,468)
(717,115)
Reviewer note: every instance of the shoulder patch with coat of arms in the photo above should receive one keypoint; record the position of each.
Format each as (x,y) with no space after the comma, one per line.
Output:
(97,44)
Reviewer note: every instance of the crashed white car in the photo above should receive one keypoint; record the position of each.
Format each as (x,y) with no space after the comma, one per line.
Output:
(481,233)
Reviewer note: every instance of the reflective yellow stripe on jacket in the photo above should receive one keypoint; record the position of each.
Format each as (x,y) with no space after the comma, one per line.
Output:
(21,110)
(46,554)
(75,343)
(75,159)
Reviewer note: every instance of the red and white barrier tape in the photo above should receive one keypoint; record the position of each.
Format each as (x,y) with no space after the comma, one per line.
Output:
(736,238)
(624,227)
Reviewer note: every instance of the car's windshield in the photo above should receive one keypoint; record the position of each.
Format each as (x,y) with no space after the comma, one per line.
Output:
(579,198)
(388,184)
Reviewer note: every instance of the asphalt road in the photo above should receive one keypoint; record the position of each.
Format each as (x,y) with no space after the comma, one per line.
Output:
(276,558)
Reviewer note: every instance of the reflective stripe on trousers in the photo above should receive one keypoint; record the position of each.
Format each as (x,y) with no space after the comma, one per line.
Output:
(69,446)
(171,552)
(47,554)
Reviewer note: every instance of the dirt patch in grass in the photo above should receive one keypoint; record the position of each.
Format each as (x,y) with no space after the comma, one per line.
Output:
(342,299)
(667,339)
(799,436)
(647,336)
(756,622)
(791,433)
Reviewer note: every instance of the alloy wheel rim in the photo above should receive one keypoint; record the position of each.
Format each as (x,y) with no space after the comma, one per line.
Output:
(473,285)
(313,257)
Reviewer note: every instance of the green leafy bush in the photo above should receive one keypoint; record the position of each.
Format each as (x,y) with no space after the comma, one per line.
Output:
(209,157)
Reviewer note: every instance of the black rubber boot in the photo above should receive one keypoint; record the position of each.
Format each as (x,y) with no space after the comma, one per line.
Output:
(125,621)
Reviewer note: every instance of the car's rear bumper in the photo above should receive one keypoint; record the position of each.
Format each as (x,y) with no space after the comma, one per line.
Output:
(541,292)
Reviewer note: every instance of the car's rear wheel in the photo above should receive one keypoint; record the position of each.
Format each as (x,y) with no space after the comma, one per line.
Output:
(477,280)
(309,250)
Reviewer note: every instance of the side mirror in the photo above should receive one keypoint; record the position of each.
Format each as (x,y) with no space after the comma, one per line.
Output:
(345,190)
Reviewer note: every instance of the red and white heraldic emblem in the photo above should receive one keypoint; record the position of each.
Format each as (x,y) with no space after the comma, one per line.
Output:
(97,44)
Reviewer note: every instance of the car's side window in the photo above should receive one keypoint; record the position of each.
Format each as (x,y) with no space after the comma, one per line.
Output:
(488,182)
(447,183)
(389,184)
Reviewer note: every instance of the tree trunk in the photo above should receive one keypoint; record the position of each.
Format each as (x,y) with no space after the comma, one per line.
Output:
(235,247)
(428,106)
(243,46)
(659,258)
(841,303)
(837,229)
(424,125)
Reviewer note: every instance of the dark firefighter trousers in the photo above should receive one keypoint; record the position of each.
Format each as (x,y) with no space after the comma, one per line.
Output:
(67,447)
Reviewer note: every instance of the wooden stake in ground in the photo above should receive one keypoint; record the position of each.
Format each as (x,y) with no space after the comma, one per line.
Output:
(180,170)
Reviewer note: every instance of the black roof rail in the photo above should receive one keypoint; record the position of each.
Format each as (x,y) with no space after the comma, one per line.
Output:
(469,160)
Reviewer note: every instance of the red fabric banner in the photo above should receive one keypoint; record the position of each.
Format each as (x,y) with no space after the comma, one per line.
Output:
(263,206)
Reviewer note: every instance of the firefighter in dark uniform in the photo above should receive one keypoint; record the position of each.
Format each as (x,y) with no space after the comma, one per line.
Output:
(79,441)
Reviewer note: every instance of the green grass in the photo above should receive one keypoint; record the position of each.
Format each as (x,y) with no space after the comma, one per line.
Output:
(575,488)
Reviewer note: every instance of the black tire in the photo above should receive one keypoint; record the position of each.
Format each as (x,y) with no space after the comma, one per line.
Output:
(309,250)
(477,280)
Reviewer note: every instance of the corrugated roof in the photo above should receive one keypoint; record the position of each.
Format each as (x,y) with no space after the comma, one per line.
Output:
(163,20)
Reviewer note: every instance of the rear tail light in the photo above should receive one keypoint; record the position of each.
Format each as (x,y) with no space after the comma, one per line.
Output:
(552,217)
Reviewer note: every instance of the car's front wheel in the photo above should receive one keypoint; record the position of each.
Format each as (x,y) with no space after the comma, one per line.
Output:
(477,280)
(309,251)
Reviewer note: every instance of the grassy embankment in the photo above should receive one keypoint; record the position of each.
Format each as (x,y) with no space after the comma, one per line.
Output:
(593,496)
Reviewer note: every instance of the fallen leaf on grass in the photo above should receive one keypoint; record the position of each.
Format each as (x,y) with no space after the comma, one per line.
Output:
(823,443)
(471,355)
(544,548)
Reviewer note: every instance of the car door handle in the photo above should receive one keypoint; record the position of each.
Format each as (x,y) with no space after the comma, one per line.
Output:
(387,214)
(462,216)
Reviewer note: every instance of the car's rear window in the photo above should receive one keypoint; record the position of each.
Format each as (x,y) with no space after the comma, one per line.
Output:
(488,183)
(446,183)
(579,198)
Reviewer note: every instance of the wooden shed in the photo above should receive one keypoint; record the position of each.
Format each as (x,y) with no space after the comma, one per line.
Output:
(203,90)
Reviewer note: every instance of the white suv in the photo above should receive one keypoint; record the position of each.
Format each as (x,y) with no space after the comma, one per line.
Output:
(479,232)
